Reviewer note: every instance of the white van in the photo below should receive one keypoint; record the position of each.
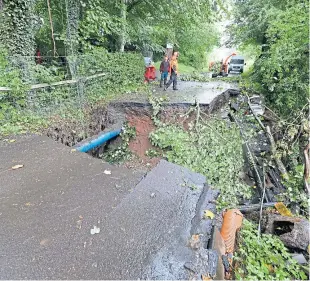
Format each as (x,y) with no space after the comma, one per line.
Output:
(236,64)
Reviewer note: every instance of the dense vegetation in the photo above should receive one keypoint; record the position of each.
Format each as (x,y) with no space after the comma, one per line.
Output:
(77,39)
(211,148)
(277,32)
(264,258)
(100,45)
(63,27)
(280,29)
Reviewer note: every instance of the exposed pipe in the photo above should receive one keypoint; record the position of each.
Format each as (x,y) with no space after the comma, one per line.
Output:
(232,221)
(98,141)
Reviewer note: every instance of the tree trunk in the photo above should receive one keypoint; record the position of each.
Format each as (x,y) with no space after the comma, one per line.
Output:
(51,25)
(17,27)
(72,34)
(122,37)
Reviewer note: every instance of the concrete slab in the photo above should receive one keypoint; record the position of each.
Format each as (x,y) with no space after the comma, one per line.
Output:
(49,207)
(188,92)
(204,93)
(154,217)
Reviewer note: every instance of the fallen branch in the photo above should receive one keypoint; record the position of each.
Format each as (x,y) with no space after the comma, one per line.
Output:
(252,161)
(198,115)
(307,168)
(208,125)
(255,115)
(60,83)
(273,147)
(254,207)
(261,205)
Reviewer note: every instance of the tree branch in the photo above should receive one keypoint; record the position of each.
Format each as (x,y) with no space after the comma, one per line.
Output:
(273,147)
(133,4)
(307,168)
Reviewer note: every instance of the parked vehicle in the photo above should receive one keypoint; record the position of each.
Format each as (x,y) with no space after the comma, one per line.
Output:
(236,64)
(223,68)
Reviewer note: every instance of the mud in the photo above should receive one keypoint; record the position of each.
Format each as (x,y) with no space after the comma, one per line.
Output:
(103,118)
(71,131)
(140,117)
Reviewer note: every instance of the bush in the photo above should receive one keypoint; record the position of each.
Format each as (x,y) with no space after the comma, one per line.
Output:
(121,69)
(264,258)
(123,73)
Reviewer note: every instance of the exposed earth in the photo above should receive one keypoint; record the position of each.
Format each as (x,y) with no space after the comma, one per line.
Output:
(52,203)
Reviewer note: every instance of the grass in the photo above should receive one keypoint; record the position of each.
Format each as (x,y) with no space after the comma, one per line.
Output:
(183,69)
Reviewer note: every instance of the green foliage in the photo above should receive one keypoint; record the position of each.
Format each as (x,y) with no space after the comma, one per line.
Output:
(252,18)
(124,73)
(152,153)
(211,147)
(122,152)
(281,70)
(43,74)
(295,188)
(43,36)
(264,258)
(120,68)
(157,103)
(17,22)
(149,25)
(10,77)
(195,42)
(196,76)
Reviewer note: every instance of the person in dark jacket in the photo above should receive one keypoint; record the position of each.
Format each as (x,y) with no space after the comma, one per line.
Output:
(164,70)
(174,72)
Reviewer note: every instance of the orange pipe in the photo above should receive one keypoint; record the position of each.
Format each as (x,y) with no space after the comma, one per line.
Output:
(232,221)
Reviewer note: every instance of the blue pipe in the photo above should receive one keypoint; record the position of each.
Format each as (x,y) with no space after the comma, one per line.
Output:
(98,141)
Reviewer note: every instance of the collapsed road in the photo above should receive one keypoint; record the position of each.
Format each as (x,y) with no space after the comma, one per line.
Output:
(67,215)
(51,204)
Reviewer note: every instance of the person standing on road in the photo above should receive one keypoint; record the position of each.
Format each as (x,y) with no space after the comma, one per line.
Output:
(173,71)
(164,69)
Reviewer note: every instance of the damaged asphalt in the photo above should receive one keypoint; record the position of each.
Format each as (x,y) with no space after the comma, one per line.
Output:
(50,205)
(189,92)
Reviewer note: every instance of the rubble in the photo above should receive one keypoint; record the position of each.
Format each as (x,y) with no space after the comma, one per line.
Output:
(292,231)
(299,258)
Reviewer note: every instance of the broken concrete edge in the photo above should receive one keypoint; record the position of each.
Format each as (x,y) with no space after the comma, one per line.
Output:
(200,225)
(219,101)
(212,106)
(206,228)
(204,260)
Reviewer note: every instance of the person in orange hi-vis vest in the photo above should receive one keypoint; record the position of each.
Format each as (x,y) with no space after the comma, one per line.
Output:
(173,72)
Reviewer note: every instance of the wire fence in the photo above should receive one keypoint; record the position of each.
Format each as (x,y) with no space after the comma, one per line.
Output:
(67,87)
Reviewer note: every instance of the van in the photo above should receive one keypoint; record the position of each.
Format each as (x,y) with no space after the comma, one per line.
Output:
(236,64)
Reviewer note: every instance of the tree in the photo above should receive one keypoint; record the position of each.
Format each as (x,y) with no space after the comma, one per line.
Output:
(281,70)
(17,26)
(146,25)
